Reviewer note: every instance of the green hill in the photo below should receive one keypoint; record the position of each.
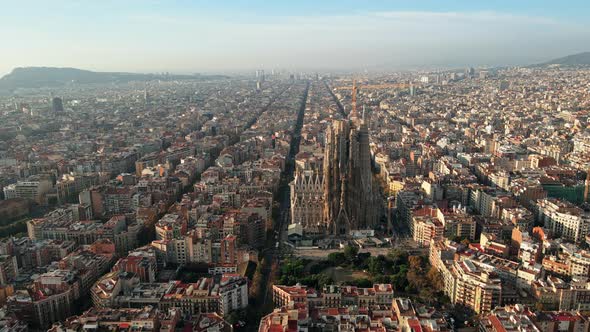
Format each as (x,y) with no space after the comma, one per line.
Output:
(37,77)
(579,59)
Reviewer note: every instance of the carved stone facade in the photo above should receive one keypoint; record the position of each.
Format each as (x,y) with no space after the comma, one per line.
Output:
(307,202)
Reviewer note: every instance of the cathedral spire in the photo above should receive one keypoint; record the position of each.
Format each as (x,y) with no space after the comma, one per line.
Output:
(353,113)
(342,193)
(342,220)
(363,118)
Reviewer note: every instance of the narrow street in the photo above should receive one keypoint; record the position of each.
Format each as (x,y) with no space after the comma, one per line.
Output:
(271,252)
(340,107)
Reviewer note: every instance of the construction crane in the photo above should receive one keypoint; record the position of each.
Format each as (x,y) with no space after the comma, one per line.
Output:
(376,86)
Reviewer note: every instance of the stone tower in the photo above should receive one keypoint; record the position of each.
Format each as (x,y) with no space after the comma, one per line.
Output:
(350,201)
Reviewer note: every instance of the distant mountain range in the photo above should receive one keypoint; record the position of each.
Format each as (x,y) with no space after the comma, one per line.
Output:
(37,77)
(571,60)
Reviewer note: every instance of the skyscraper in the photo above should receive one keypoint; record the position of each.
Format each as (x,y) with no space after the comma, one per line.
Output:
(260,75)
(57,105)
(350,201)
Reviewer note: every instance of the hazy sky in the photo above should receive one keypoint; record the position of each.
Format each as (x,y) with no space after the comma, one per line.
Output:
(217,35)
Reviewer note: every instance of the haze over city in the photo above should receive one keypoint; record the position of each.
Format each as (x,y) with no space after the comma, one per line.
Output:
(208,36)
(294,166)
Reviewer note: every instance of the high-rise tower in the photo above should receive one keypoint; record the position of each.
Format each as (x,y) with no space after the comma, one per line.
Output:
(57,105)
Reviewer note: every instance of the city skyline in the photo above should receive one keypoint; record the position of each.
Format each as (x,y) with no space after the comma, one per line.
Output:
(187,37)
(255,166)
